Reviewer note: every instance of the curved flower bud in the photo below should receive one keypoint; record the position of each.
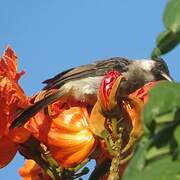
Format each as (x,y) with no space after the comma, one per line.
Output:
(106,87)
(106,103)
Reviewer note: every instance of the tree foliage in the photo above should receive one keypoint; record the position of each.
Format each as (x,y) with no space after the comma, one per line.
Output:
(158,153)
(170,38)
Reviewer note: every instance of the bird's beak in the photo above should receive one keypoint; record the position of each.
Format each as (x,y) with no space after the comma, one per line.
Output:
(167,77)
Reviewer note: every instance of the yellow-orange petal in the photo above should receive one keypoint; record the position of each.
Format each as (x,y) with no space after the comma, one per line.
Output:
(69,138)
(8,150)
(134,107)
(31,171)
(74,119)
(97,120)
(73,154)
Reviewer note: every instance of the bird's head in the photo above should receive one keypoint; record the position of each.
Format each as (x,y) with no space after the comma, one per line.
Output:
(157,69)
(144,71)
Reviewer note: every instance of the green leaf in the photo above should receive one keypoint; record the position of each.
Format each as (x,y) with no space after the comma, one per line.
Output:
(155,152)
(153,162)
(166,41)
(177,135)
(162,169)
(170,38)
(172,16)
(163,103)
(165,118)
(157,157)
(138,162)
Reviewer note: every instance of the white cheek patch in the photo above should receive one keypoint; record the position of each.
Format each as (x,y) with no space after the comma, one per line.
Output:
(146,64)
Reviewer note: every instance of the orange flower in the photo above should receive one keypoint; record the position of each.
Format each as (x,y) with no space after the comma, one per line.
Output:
(67,136)
(139,97)
(106,103)
(109,105)
(31,171)
(12,100)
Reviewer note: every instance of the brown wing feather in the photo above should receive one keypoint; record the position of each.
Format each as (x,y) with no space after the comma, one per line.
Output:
(75,73)
(99,68)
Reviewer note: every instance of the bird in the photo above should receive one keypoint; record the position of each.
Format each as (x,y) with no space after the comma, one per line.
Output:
(82,83)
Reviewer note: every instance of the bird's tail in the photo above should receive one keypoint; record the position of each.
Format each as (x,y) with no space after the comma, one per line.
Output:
(35,108)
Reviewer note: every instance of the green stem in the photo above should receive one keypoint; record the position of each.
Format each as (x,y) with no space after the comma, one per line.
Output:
(114,127)
(45,167)
(107,137)
(79,166)
(116,161)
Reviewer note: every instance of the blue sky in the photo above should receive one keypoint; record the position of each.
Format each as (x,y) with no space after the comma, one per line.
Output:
(52,35)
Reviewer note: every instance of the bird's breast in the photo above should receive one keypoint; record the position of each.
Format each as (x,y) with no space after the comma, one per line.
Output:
(84,90)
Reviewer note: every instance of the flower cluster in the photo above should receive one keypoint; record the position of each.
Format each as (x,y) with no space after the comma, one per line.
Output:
(69,133)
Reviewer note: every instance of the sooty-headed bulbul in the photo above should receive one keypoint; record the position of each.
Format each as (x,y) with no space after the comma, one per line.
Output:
(82,83)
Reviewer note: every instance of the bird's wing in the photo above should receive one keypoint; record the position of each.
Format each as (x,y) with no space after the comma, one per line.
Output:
(97,69)
(69,75)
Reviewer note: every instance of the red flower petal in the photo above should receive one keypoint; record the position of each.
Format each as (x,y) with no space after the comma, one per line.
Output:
(12,100)
(8,150)
(12,96)
(143,92)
